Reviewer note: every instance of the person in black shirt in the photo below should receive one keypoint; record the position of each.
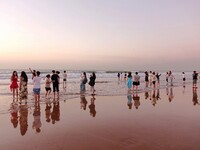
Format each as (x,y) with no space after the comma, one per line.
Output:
(55,81)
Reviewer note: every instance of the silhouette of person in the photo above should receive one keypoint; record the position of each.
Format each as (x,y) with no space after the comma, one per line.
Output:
(14,114)
(171,95)
(23,118)
(83,102)
(48,112)
(92,106)
(55,114)
(36,118)
(129,103)
(136,100)
(195,97)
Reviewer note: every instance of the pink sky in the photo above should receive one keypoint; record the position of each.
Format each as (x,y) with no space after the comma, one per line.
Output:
(100,35)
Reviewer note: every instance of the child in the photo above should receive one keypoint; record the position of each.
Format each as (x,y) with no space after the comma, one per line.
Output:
(36,86)
(48,85)
(14,86)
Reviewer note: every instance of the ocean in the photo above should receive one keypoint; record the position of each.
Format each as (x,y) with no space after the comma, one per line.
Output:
(106,83)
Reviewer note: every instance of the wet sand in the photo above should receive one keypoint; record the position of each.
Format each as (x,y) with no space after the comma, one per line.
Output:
(166,119)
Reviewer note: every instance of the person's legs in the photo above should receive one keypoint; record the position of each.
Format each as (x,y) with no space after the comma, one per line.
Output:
(13,93)
(17,92)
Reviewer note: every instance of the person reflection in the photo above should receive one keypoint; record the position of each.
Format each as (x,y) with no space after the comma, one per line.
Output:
(153,101)
(36,118)
(92,106)
(129,103)
(83,102)
(195,97)
(184,89)
(171,95)
(14,114)
(158,95)
(136,99)
(167,91)
(23,118)
(146,94)
(55,114)
(48,112)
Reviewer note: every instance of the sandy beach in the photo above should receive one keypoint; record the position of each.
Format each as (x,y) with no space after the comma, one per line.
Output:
(164,119)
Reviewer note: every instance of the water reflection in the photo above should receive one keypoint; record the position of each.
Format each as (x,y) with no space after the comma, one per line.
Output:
(55,114)
(195,97)
(129,103)
(153,99)
(51,107)
(146,94)
(171,95)
(83,102)
(136,100)
(23,118)
(92,106)
(14,114)
(37,118)
(48,111)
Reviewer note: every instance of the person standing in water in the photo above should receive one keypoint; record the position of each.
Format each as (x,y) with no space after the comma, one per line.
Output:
(146,78)
(92,82)
(184,78)
(37,86)
(64,79)
(14,85)
(195,78)
(23,86)
(83,80)
(48,85)
(129,82)
(171,77)
(136,81)
(167,77)
(55,81)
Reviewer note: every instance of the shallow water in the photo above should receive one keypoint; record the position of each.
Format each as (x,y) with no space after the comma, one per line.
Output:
(158,119)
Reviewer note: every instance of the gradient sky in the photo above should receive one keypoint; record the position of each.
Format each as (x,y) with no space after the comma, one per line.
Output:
(100,34)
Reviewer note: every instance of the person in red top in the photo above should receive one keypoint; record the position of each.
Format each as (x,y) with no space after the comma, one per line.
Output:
(14,85)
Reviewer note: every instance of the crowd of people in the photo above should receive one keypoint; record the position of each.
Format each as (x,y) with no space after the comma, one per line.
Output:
(52,80)
(152,79)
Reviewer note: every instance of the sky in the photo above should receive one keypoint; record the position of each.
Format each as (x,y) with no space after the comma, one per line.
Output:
(100,34)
